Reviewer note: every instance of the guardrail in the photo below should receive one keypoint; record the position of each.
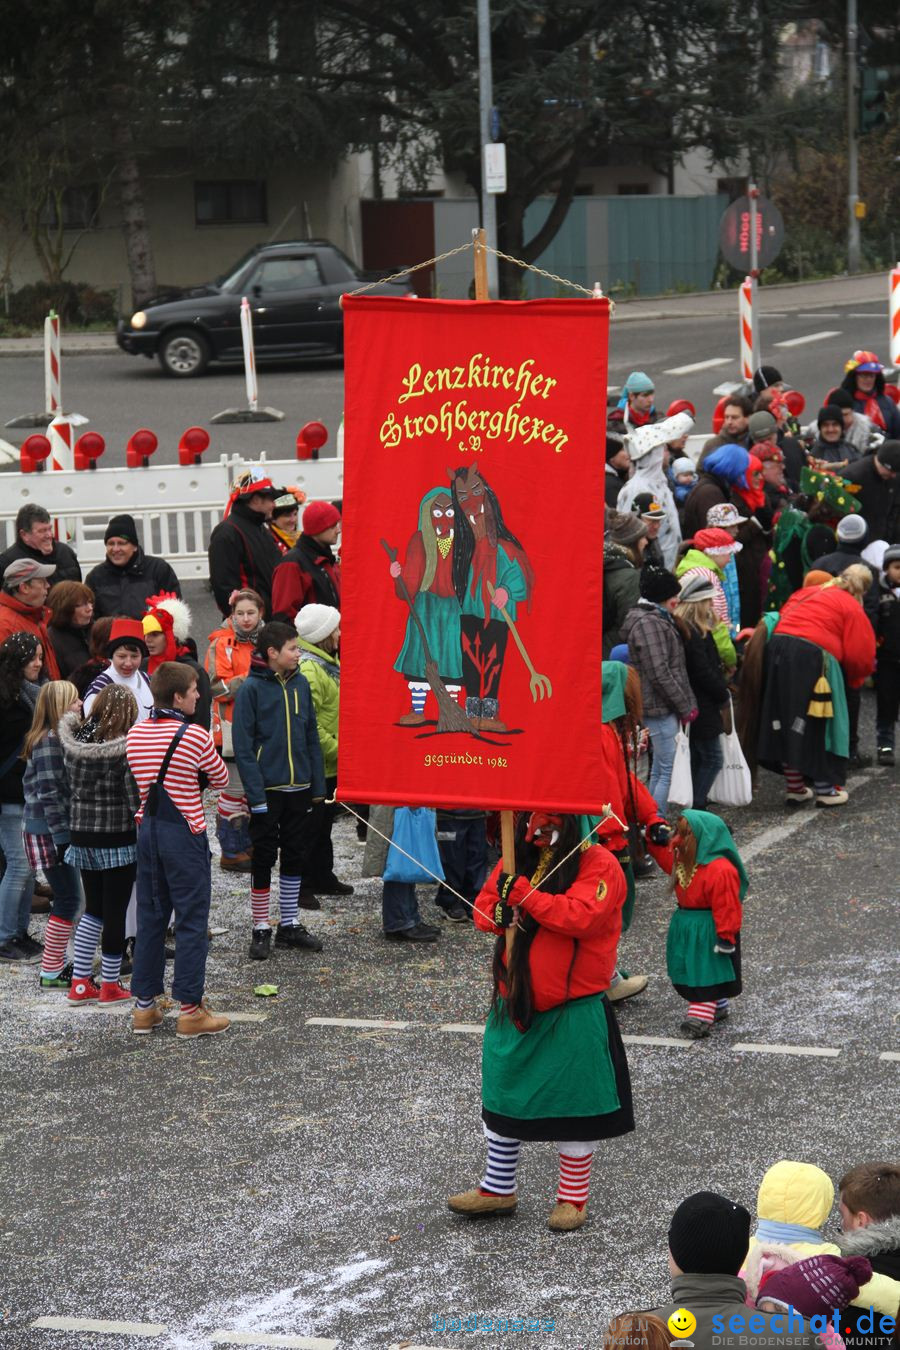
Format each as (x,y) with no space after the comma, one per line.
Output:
(175,507)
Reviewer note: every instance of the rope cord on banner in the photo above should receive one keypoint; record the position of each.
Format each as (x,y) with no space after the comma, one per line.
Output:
(507,257)
(607,813)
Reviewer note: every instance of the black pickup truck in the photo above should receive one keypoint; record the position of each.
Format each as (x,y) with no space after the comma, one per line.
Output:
(295,294)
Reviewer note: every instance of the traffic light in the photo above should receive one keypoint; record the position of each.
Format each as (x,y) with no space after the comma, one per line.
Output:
(872,98)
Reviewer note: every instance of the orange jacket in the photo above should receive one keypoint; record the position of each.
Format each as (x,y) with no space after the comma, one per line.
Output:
(17,617)
(226,660)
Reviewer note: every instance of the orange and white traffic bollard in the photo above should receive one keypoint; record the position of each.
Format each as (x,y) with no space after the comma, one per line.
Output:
(52,366)
(59,433)
(748,336)
(894,339)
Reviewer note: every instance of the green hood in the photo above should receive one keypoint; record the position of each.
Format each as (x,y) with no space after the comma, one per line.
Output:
(714,841)
(695,558)
(614,676)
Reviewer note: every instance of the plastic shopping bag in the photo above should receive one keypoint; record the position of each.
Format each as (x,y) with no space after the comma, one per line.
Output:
(681,785)
(733,785)
(415,832)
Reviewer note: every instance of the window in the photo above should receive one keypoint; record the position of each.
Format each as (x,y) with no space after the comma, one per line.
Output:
(633,189)
(235,202)
(277,275)
(79,206)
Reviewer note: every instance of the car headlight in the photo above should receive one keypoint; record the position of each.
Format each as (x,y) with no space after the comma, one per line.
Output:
(139,320)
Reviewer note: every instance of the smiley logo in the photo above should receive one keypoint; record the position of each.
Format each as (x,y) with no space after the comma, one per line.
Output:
(682,1322)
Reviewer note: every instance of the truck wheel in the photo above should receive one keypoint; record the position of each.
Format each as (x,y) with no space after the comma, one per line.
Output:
(184,353)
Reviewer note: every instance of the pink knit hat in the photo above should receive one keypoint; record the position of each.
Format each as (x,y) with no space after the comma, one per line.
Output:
(817,1285)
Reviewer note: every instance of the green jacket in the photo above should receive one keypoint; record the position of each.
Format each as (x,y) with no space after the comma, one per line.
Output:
(695,560)
(714,1300)
(322,670)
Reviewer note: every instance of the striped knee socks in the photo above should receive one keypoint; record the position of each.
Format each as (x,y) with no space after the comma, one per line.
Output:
(259,905)
(110,968)
(56,939)
(288,899)
(87,935)
(793,780)
(574,1179)
(503,1159)
(703,1012)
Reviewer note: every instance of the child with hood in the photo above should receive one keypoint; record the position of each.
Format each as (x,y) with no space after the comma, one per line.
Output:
(167,633)
(708,555)
(648,449)
(228,660)
(703,949)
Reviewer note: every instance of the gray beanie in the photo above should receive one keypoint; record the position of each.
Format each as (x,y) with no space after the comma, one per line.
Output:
(851,530)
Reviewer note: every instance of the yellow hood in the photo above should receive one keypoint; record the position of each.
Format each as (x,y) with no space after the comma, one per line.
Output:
(795,1192)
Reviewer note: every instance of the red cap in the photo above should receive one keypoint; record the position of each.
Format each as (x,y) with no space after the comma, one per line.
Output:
(319,516)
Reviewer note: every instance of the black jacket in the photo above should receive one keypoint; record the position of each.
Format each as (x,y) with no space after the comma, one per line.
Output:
(125,590)
(71,647)
(15,724)
(704,670)
(834,452)
(879,499)
(887,628)
(242,553)
(63,558)
(613,483)
(845,555)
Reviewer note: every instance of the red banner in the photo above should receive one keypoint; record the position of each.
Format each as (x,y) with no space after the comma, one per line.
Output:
(472,552)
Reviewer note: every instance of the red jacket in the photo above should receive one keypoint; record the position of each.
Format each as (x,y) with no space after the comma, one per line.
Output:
(293,583)
(614,790)
(834,620)
(17,617)
(716,886)
(589,914)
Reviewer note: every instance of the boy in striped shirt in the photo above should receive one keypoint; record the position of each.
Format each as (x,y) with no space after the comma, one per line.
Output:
(167,755)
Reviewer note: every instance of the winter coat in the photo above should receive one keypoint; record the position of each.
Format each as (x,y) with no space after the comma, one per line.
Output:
(880,409)
(627,795)
(888,622)
(15,724)
(276,744)
(227,665)
(834,452)
(708,491)
(60,556)
(70,645)
(308,574)
(46,787)
(137,683)
(650,476)
(573,953)
(612,486)
(704,670)
(621,591)
(833,620)
(17,617)
(125,590)
(104,795)
(879,1243)
(714,1300)
(879,499)
(695,560)
(242,554)
(322,670)
(723,438)
(657,654)
(845,555)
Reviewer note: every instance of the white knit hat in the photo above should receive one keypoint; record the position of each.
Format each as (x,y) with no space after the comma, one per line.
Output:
(316,622)
(644,439)
(673,428)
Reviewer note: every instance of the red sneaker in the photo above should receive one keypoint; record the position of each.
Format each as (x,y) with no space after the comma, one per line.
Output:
(83,990)
(114,991)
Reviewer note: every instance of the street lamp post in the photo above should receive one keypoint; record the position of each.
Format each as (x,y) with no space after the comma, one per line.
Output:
(485,101)
(853,243)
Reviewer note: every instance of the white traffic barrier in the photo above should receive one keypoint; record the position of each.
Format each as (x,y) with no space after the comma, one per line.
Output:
(748,335)
(894,336)
(176,507)
(252,412)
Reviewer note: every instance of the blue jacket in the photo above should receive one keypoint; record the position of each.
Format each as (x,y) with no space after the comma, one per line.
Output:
(276,743)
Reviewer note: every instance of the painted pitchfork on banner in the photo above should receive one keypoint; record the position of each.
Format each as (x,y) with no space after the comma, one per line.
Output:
(539,685)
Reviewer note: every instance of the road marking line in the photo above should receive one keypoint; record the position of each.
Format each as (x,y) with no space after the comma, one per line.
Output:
(473,1028)
(822,1051)
(264,1338)
(893,1056)
(810,337)
(102,1328)
(356,1022)
(858,314)
(774,314)
(818,314)
(655,1040)
(699,365)
(776,833)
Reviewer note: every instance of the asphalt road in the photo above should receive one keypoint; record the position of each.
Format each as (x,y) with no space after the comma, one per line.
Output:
(688,356)
(289,1178)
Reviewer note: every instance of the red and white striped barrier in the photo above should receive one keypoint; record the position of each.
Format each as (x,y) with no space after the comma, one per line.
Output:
(62,454)
(894,337)
(252,412)
(748,334)
(52,367)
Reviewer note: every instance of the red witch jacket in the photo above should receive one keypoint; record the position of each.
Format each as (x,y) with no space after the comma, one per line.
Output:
(715,886)
(614,789)
(589,914)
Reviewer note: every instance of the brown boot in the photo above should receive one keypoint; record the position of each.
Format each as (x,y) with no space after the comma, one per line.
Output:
(145,1020)
(476,1204)
(236,862)
(411,719)
(565,1218)
(203,1022)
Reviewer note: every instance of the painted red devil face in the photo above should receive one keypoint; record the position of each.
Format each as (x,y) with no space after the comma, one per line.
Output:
(470,494)
(442,516)
(543,829)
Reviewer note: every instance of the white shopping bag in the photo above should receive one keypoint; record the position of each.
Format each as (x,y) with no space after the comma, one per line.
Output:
(681,786)
(733,785)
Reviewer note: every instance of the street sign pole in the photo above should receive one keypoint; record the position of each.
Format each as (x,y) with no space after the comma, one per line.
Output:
(485,101)
(753,193)
(853,238)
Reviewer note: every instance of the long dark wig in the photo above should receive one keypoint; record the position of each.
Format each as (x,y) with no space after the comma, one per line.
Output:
(464,537)
(519,1003)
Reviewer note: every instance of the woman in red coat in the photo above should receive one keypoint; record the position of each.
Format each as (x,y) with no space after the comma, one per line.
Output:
(553,1063)
(822,638)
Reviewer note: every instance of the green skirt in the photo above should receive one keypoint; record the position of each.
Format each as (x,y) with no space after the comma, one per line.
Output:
(696,971)
(566,1077)
(440,619)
